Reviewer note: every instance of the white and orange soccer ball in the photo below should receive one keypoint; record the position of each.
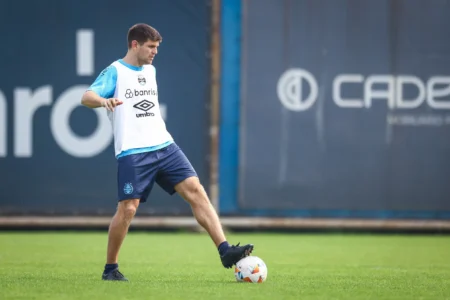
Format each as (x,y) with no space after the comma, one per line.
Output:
(251,269)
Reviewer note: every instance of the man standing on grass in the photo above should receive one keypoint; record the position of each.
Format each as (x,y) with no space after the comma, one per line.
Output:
(146,152)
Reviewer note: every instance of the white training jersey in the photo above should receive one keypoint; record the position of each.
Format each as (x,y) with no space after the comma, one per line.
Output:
(137,124)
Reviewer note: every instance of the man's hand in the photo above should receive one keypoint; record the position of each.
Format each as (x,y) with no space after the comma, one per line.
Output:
(110,103)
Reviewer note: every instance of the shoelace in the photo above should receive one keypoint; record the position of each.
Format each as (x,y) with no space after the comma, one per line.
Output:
(237,245)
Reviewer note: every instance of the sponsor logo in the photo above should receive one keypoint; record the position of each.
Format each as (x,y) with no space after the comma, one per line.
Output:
(144,105)
(136,93)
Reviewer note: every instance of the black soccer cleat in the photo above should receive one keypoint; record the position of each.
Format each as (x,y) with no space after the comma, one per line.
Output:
(235,254)
(114,275)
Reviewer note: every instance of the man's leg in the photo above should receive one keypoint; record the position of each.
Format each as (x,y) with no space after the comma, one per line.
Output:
(118,229)
(193,192)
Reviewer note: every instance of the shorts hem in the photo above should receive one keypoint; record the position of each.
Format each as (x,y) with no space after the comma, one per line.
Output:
(173,191)
(141,199)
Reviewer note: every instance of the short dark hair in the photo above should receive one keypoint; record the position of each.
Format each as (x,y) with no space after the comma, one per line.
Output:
(142,33)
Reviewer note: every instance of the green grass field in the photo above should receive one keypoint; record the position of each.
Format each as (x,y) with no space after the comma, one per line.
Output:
(68,265)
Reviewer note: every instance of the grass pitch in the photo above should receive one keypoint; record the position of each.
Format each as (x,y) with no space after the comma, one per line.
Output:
(68,265)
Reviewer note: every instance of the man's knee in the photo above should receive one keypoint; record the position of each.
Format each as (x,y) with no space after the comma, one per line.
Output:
(128,208)
(192,191)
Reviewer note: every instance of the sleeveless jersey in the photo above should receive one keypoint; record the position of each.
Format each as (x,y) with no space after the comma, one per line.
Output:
(137,123)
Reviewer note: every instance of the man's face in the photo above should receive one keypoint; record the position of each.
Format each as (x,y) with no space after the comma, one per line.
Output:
(147,52)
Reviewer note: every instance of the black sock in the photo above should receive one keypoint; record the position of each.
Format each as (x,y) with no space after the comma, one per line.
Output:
(111,267)
(223,247)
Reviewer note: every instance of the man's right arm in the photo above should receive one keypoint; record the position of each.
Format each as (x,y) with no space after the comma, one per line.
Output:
(100,93)
(92,100)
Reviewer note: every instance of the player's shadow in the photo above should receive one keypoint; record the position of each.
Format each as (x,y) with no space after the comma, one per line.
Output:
(177,281)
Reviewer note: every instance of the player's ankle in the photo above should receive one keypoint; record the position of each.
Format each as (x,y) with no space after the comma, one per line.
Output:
(111,267)
(223,247)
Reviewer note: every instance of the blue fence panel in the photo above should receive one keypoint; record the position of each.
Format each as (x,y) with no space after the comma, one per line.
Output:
(56,157)
(344,109)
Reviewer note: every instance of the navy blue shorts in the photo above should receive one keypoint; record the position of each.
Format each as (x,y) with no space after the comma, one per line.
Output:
(137,173)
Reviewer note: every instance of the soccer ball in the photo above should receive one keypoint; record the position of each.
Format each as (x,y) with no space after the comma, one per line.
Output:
(251,269)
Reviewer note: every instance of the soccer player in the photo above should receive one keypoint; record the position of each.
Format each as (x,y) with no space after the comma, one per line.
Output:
(146,152)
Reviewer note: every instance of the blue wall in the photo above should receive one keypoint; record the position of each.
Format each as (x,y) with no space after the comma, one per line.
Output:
(280,154)
(375,154)
(39,54)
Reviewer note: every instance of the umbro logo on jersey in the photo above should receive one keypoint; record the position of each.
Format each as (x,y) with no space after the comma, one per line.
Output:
(144,105)
(141,80)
